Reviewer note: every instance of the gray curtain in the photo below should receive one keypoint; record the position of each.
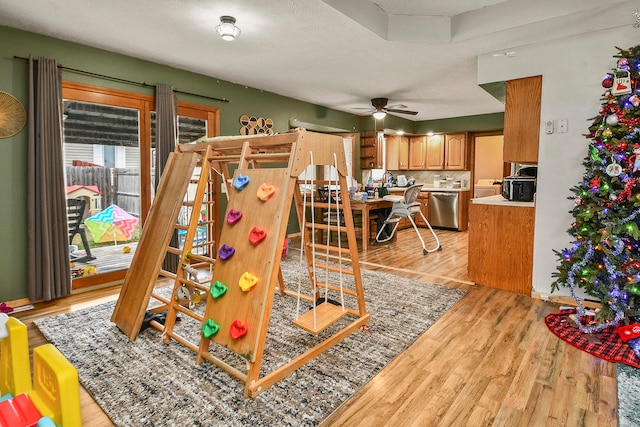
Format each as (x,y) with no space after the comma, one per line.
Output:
(166,126)
(48,275)
(166,139)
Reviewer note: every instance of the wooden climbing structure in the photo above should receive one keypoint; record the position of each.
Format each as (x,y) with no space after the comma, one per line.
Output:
(246,256)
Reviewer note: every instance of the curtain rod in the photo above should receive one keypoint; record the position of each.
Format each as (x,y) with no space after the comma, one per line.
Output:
(131,82)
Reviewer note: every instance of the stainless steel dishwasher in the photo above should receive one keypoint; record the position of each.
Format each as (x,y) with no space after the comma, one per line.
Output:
(443,209)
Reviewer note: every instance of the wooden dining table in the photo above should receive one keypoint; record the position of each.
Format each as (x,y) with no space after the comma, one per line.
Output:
(365,208)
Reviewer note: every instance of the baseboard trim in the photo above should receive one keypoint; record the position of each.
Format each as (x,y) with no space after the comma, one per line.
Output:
(564,300)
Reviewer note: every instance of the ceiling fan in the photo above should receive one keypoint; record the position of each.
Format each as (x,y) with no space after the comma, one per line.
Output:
(381,108)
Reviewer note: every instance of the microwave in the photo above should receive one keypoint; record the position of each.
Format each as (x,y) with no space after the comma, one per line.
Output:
(519,188)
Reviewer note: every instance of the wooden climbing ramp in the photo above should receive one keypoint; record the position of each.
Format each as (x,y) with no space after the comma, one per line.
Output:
(245,258)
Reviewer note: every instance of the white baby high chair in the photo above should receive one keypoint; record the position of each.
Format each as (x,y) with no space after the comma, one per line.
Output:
(406,206)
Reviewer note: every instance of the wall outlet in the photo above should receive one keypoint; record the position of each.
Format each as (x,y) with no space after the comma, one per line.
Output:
(548,127)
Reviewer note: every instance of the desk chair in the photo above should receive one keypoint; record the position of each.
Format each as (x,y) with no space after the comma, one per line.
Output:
(75,216)
(406,206)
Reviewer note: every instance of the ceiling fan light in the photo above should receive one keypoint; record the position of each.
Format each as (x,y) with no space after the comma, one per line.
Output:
(379,115)
(227,28)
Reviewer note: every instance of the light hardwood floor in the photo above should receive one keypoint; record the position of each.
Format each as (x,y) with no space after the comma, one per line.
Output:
(489,361)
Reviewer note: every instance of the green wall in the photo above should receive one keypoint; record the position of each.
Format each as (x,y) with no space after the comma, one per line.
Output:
(242,100)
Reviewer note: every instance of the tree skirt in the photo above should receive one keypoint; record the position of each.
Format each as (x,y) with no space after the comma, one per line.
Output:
(605,344)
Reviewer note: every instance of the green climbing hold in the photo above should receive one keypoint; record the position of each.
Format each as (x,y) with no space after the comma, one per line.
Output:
(217,289)
(210,328)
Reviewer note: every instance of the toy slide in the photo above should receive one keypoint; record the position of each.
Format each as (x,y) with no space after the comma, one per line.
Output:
(54,397)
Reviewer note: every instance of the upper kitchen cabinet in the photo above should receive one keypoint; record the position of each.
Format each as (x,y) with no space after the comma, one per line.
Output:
(455,151)
(370,151)
(435,152)
(397,152)
(447,152)
(417,152)
(522,120)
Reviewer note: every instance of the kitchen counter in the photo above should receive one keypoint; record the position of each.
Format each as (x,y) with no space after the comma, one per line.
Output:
(498,200)
(454,190)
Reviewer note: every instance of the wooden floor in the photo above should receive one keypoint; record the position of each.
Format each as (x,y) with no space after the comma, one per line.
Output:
(489,361)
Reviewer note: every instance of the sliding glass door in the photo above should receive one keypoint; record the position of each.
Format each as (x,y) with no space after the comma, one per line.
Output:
(109,150)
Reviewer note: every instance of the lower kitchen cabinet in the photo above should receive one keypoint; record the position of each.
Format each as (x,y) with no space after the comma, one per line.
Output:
(501,246)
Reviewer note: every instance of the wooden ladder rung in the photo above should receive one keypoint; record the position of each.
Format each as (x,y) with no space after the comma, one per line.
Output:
(194,284)
(167,274)
(325,315)
(333,268)
(322,286)
(269,156)
(173,250)
(201,258)
(318,246)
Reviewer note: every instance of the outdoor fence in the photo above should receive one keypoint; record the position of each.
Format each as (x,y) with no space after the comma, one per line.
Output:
(119,186)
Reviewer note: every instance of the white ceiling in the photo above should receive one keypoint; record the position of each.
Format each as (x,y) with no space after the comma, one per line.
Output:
(335,53)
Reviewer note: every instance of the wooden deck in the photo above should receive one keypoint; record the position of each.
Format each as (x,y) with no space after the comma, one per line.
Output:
(108,258)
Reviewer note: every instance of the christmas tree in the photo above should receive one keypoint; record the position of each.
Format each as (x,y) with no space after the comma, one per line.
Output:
(604,259)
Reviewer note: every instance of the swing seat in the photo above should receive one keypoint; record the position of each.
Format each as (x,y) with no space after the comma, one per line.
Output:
(326,315)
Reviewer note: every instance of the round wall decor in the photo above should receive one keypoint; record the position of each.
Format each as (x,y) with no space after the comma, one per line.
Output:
(252,125)
(13,117)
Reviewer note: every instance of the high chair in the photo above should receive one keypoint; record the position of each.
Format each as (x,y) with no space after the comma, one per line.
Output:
(406,206)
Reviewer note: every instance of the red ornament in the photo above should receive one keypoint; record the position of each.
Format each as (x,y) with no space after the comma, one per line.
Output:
(607,82)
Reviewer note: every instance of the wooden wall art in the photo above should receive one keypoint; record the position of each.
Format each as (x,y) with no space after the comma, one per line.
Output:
(252,125)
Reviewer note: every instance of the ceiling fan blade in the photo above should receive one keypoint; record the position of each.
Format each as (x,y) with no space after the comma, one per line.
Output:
(396,106)
(393,110)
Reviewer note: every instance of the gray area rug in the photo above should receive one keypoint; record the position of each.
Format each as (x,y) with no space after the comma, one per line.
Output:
(628,379)
(148,383)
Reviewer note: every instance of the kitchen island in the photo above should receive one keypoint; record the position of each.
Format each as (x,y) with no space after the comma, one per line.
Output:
(501,243)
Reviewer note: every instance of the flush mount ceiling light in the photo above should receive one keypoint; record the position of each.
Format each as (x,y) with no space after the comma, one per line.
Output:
(379,115)
(227,28)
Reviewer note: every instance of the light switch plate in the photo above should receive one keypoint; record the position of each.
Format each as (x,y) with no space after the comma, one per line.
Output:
(548,127)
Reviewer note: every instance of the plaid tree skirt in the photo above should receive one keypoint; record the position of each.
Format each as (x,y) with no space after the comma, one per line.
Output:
(605,344)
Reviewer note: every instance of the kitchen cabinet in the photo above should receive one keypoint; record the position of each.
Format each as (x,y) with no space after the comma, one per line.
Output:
(370,152)
(522,120)
(447,152)
(423,199)
(397,152)
(455,151)
(417,152)
(435,152)
(501,246)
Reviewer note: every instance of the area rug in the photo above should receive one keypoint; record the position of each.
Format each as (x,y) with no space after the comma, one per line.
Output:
(628,380)
(148,383)
(605,344)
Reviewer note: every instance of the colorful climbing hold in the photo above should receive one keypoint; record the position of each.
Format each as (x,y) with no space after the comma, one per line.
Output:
(233,216)
(217,289)
(240,181)
(265,192)
(237,329)
(256,235)
(225,252)
(210,328)
(247,281)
